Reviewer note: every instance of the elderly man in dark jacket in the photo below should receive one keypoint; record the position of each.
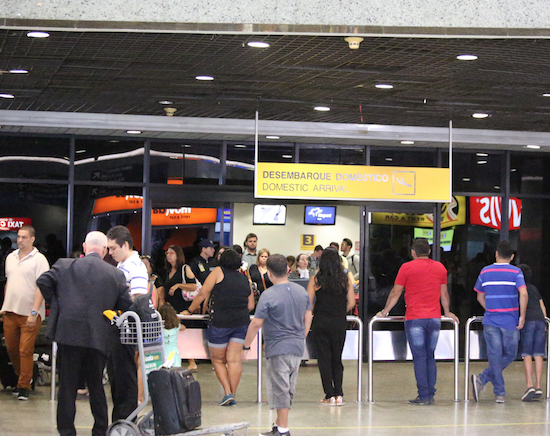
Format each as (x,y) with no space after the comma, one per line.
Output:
(79,290)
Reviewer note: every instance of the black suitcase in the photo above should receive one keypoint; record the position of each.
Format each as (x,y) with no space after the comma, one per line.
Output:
(176,398)
(8,378)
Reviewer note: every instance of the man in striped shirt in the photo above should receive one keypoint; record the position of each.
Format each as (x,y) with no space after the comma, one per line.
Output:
(502,292)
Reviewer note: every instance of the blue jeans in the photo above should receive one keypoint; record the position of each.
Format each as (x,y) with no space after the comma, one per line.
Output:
(502,349)
(422,335)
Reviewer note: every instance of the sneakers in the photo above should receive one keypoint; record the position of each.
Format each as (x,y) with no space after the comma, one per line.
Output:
(477,386)
(529,395)
(538,394)
(420,402)
(226,401)
(15,392)
(275,432)
(23,395)
(327,401)
(339,401)
(500,399)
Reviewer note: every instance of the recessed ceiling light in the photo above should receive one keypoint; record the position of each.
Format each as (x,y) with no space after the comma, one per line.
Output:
(389,159)
(536,147)
(80,151)
(257,44)
(287,156)
(114,140)
(272,137)
(466,57)
(482,154)
(480,115)
(481,162)
(19,71)
(166,102)
(7,96)
(321,108)
(496,187)
(205,78)
(187,146)
(513,170)
(546,95)
(465,179)
(383,86)
(35,34)
(240,146)
(133,132)
(407,142)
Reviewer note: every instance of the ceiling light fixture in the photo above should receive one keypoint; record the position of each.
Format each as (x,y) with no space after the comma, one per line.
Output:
(546,95)
(257,44)
(133,132)
(480,116)
(481,162)
(321,108)
(389,159)
(513,170)
(36,34)
(272,137)
(80,151)
(18,71)
(166,102)
(535,147)
(407,142)
(482,154)
(204,78)
(465,179)
(240,146)
(187,146)
(287,156)
(383,86)
(7,96)
(496,187)
(466,57)
(354,41)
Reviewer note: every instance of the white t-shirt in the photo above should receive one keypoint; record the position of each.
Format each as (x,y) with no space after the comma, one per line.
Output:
(21,285)
(136,274)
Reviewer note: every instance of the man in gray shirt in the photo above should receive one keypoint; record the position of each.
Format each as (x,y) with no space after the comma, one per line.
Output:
(284,313)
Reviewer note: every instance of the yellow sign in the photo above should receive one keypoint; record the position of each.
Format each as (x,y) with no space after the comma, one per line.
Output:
(452,214)
(307,242)
(352,182)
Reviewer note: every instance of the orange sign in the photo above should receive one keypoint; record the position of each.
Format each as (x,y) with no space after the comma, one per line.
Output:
(159,217)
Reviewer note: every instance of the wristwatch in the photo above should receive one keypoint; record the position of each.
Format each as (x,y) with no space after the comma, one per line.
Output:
(246,348)
(34,313)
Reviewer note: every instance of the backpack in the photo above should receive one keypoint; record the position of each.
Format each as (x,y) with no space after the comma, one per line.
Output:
(143,306)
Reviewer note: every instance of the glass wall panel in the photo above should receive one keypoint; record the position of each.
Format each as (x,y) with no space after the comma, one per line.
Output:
(282,153)
(336,155)
(34,158)
(477,172)
(529,174)
(240,163)
(399,157)
(109,160)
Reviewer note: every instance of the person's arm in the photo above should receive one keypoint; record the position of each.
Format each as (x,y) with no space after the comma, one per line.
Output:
(446,302)
(542,307)
(392,300)
(311,289)
(481,299)
(160,295)
(308,317)
(251,302)
(523,298)
(185,286)
(214,277)
(351,293)
(253,328)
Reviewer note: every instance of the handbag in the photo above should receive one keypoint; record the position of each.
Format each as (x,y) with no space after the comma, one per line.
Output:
(189,295)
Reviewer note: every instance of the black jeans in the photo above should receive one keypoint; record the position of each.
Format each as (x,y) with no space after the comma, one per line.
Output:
(74,363)
(329,335)
(122,371)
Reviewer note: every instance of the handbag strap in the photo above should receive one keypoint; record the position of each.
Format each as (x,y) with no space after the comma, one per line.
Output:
(263,279)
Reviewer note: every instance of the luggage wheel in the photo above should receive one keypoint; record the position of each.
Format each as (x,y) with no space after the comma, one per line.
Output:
(123,427)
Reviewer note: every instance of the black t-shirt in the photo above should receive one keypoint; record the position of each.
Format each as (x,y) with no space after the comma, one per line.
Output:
(534,312)
(256,276)
(201,268)
(176,300)
(230,300)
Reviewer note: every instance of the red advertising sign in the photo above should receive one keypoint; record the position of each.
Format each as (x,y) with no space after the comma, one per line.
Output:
(486,211)
(14,224)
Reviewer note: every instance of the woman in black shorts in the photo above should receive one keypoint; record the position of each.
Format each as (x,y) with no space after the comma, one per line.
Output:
(231,303)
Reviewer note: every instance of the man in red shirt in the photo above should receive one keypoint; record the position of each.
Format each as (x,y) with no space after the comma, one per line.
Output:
(425,283)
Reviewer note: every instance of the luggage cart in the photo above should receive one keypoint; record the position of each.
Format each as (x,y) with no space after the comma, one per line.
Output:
(150,342)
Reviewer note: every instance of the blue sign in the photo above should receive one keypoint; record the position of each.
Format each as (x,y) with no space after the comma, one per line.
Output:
(321,215)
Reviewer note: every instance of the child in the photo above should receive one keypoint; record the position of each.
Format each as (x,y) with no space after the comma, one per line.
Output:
(533,337)
(171,327)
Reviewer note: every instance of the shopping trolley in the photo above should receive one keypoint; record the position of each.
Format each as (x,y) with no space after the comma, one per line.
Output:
(150,343)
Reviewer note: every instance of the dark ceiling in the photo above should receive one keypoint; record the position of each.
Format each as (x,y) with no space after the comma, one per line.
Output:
(129,73)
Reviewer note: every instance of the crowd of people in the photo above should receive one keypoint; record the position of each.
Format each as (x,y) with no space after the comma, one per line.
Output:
(288,296)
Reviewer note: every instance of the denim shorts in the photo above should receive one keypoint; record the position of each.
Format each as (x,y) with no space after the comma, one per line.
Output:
(533,338)
(219,337)
(282,375)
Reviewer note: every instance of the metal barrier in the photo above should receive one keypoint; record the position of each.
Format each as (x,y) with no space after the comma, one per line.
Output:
(259,351)
(375,320)
(467,357)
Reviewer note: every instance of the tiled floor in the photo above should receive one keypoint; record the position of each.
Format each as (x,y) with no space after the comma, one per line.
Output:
(390,415)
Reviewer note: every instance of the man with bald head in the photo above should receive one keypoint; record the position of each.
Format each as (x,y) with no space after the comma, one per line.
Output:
(79,290)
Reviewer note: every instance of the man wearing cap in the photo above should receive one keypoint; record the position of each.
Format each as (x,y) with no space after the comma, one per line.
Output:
(203,263)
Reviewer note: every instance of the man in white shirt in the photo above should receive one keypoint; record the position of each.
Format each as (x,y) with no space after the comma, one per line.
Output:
(23,307)
(353,259)
(121,366)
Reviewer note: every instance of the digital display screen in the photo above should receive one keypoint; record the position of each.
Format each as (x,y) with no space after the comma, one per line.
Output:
(269,214)
(320,215)
(446,237)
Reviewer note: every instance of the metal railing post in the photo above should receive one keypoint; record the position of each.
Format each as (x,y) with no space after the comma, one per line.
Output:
(548,359)
(259,366)
(402,318)
(467,356)
(359,357)
(54,370)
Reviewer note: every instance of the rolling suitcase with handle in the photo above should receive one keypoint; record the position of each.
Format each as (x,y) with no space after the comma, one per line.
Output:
(176,398)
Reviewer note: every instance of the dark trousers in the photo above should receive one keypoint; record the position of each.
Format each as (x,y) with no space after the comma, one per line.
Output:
(122,370)
(329,335)
(74,362)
